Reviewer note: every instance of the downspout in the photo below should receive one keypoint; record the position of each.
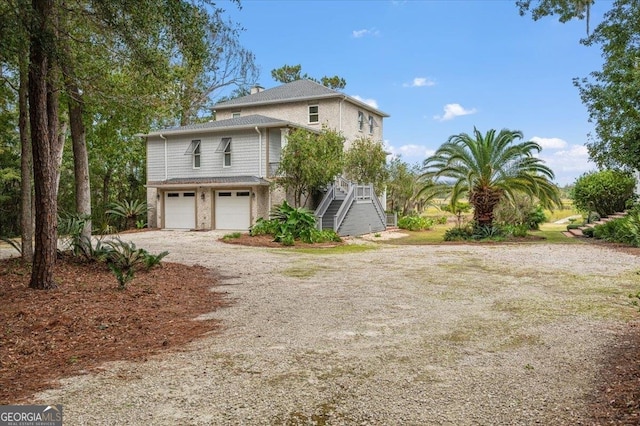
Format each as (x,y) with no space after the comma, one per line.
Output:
(166,166)
(340,121)
(259,153)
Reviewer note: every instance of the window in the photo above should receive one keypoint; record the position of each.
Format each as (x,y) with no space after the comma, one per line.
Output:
(225,148)
(360,120)
(189,194)
(313,114)
(196,157)
(227,154)
(235,114)
(243,194)
(194,150)
(370,124)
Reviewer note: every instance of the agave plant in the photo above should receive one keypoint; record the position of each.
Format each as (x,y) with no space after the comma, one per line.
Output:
(129,211)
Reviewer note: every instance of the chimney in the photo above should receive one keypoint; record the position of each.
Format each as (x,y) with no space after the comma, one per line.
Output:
(256,89)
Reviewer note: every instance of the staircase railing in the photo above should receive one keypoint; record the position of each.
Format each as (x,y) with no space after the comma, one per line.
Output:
(362,193)
(344,208)
(379,207)
(342,184)
(324,205)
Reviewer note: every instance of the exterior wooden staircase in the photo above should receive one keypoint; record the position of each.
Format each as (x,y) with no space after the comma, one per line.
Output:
(350,209)
(573,233)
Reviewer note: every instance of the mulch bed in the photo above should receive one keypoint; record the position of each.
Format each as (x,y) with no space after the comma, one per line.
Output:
(49,334)
(617,401)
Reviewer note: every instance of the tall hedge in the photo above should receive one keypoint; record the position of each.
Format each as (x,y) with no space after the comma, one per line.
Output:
(604,192)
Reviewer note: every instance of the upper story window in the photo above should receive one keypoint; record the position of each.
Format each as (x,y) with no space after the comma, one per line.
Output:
(360,120)
(370,124)
(194,151)
(196,156)
(235,114)
(314,117)
(227,152)
(225,148)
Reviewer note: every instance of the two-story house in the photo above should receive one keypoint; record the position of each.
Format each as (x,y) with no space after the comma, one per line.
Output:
(218,175)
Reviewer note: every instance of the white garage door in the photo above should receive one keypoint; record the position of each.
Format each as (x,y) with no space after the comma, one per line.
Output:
(233,209)
(180,210)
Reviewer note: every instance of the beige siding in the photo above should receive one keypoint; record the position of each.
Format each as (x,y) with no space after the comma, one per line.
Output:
(335,113)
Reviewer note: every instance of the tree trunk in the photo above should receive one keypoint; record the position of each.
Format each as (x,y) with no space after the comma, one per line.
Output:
(75,103)
(484,201)
(26,164)
(106,181)
(43,119)
(80,158)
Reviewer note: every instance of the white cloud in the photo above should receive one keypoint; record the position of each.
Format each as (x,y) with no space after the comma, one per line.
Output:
(412,150)
(371,102)
(420,82)
(452,111)
(365,32)
(567,164)
(550,143)
(410,153)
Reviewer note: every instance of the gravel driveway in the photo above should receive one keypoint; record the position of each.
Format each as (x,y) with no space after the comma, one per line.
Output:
(412,335)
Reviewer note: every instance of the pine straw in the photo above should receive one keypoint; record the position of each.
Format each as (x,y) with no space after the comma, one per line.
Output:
(86,321)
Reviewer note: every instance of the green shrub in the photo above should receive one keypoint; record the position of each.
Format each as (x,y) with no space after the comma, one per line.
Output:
(476,233)
(287,224)
(535,217)
(151,260)
(588,232)
(70,226)
(604,192)
(264,227)
(624,230)
(522,210)
(493,233)
(415,223)
(519,231)
(458,234)
(442,220)
(574,226)
(128,211)
(286,239)
(124,257)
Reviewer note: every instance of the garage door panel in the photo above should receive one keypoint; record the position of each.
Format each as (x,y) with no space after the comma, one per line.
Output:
(180,210)
(233,209)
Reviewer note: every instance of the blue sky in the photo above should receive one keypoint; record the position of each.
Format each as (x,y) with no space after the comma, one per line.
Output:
(438,68)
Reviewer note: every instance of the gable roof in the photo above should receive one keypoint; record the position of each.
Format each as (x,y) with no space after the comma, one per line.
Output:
(296,91)
(238,123)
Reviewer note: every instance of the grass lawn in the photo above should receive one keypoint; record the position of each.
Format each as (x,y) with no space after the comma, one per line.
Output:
(550,233)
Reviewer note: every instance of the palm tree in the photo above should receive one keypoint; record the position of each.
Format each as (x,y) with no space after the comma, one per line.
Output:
(486,168)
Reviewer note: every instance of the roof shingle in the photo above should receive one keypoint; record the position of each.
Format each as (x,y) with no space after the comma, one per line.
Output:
(248,121)
(296,90)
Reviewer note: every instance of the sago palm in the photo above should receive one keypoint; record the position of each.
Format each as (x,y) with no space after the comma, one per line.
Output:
(486,168)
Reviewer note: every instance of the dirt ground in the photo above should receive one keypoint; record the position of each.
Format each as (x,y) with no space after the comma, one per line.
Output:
(86,321)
